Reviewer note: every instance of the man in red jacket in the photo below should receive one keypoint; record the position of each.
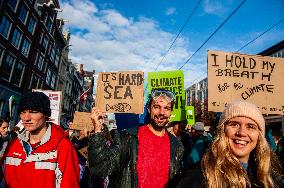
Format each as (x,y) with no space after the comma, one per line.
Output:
(41,156)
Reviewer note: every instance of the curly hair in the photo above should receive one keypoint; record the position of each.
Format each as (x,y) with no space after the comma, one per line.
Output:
(221,168)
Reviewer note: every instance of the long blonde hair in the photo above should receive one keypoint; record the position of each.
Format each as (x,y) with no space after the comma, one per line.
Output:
(222,169)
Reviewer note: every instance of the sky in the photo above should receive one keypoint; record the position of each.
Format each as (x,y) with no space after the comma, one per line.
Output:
(123,35)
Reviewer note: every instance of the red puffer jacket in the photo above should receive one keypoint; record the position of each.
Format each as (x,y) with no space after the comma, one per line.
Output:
(52,163)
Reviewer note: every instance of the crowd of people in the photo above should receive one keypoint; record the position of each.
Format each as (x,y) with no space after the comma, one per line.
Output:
(157,154)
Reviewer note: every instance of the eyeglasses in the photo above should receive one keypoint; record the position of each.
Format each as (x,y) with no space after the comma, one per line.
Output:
(161,92)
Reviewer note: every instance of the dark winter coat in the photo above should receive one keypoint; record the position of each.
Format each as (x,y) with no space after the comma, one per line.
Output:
(119,161)
(194,178)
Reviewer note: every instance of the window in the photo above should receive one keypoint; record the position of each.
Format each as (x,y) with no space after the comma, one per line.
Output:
(44,42)
(40,61)
(1,52)
(17,35)
(26,47)
(1,106)
(49,25)
(57,57)
(34,81)
(31,24)
(53,81)
(18,74)
(52,54)
(5,26)
(7,66)
(48,77)
(12,4)
(23,13)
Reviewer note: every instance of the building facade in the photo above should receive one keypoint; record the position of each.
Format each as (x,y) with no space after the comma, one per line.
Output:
(31,44)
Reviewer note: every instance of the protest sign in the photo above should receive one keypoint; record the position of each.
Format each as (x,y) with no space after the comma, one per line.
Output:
(190,115)
(82,120)
(84,152)
(234,76)
(121,92)
(172,81)
(55,98)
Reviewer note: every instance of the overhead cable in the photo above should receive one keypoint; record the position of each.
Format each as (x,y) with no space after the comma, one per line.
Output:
(261,34)
(214,33)
(181,29)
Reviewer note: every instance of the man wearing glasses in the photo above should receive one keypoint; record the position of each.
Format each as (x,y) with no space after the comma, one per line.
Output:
(145,156)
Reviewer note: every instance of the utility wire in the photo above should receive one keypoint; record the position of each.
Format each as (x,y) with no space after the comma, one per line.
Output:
(213,34)
(181,29)
(261,34)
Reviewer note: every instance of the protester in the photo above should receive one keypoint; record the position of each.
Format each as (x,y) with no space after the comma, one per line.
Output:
(200,142)
(280,151)
(146,156)
(177,128)
(5,135)
(41,156)
(239,155)
(80,141)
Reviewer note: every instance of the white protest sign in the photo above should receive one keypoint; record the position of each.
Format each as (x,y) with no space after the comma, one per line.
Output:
(55,98)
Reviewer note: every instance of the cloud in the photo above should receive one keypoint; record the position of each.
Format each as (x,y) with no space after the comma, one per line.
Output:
(216,7)
(106,40)
(170,11)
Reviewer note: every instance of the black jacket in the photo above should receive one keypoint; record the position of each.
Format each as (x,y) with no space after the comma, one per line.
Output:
(119,160)
(194,178)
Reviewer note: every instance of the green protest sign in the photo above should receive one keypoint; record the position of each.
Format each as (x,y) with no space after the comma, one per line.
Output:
(190,115)
(173,81)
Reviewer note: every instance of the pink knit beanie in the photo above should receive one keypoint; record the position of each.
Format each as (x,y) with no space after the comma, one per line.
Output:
(243,109)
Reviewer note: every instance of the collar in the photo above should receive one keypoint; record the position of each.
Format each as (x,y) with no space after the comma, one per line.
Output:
(24,136)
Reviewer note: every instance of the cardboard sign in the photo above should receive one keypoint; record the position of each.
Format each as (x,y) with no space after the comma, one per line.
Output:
(55,98)
(82,120)
(84,152)
(172,81)
(234,76)
(121,92)
(190,115)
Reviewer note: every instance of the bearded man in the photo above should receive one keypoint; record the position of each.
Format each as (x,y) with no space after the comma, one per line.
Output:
(146,156)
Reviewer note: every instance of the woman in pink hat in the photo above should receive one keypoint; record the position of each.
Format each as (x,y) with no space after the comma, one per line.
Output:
(239,155)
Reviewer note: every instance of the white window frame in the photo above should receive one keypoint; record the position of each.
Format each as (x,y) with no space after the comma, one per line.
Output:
(48,76)
(28,50)
(17,3)
(27,14)
(9,30)
(1,55)
(32,16)
(12,70)
(38,81)
(21,79)
(53,80)
(20,39)
(39,54)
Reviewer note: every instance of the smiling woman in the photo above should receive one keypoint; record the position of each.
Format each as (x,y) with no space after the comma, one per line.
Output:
(239,155)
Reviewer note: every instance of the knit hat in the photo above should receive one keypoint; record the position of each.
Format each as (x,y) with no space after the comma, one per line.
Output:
(243,109)
(199,126)
(37,101)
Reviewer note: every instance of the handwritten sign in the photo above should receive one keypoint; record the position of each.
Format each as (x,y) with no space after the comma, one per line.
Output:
(55,98)
(82,120)
(234,76)
(172,81)
(121,92)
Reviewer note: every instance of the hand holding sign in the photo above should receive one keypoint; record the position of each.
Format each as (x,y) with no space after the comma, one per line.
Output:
(97,116)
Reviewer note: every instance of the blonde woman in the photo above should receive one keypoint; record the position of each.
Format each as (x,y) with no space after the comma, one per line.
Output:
(239,155)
